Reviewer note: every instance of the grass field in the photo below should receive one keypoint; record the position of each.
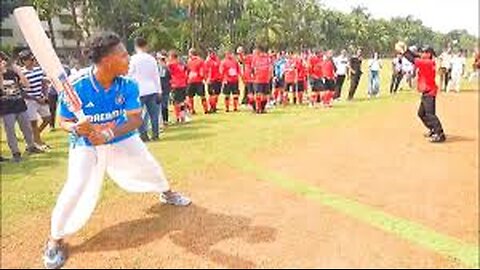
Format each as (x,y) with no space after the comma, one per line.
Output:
(209,143)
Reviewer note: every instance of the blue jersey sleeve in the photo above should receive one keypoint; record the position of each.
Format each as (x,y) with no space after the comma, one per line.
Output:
(132,96)
(63,109)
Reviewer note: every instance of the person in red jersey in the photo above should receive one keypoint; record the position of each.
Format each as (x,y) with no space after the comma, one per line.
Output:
(425,64)
(328,70)
(290,74)
(262,76)
(247,77)
(316,76)
(178,82)
(230,70)
(213,79)
(196,87)
(301,78)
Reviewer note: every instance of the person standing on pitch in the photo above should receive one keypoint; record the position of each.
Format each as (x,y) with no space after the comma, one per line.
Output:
(426,85)
(262,74)
(213,79)
(445,68)
(374,67)
(341,64)
(144,70)
(355,68)
(178,82)
(230,70)
(196,87)
(458,69)
(165,78)
(106,142)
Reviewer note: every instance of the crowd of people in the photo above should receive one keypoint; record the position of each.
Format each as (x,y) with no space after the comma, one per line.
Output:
(264,78)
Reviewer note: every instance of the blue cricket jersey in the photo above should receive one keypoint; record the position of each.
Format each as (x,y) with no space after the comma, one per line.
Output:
(280,67)
(104,109)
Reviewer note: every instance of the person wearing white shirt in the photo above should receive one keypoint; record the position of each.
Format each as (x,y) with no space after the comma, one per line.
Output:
(341,64)
(457,64)
(144,70)
(445,68)
(374,66)
(408,71)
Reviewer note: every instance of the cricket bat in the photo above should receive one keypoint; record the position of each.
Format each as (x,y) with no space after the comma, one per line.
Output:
(42,49)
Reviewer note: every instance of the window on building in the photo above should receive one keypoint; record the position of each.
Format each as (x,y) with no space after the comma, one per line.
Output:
(68,34)
(6,32)
(65,19)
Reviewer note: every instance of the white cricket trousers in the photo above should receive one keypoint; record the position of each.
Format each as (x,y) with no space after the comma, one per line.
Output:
(455,81)
(128,163)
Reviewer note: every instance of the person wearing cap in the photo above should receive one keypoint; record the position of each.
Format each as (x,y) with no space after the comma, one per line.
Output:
(36,96)
(425,64)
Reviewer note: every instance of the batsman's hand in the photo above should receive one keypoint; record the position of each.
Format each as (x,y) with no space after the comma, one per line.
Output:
(101,137)
(83,128)
(96,138)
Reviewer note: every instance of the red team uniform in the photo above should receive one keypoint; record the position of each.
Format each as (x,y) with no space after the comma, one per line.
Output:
(316,76)
(178,83)
(328,70)
(213,79)
(230,70)
(301,79)
(195,66)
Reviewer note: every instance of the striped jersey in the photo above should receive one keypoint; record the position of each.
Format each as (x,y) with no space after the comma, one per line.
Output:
(35,77)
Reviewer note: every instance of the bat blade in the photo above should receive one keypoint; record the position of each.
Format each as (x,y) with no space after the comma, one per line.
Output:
(41,47)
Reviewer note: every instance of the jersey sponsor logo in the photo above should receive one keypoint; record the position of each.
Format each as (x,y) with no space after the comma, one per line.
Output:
(104,117)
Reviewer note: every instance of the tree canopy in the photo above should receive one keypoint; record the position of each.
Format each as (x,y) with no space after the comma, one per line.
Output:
(225,24)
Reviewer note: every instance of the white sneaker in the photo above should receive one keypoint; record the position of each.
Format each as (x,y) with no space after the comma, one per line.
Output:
(174,198)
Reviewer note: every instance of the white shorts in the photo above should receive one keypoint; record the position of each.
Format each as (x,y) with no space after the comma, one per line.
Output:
(34,109)
(128,163)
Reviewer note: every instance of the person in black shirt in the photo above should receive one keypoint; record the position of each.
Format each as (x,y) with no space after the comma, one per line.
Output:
(13,107)
(355,69)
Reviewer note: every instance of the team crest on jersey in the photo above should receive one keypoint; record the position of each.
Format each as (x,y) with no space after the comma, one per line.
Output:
(119,100)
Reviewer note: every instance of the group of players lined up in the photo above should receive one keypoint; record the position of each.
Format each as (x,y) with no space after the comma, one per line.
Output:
(268,78)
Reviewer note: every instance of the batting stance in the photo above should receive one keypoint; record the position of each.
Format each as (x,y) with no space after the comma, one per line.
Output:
(108,142)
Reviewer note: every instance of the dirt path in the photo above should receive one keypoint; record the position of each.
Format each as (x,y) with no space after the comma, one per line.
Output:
(240,221)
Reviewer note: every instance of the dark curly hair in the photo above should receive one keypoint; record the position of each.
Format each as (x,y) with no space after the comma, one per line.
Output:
(102,45)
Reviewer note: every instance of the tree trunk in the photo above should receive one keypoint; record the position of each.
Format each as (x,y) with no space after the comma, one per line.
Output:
(78,32)
(52,33)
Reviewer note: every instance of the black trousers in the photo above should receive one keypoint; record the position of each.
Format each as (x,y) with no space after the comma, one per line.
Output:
(354,80)
(426,112)
(339,85)
(52,104)
(395,83)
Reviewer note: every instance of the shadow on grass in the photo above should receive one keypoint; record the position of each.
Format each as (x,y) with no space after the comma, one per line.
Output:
(194,228)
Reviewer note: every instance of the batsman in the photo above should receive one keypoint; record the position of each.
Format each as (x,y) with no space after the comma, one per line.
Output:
(107,142)
(425,64)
